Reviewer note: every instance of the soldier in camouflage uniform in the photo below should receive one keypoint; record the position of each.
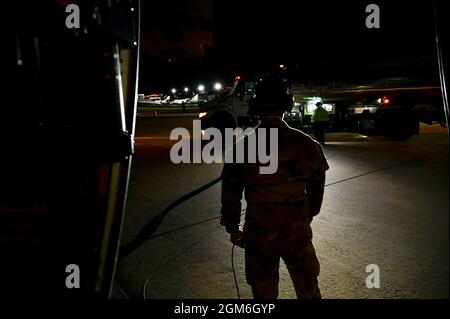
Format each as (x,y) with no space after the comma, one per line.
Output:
(280,206)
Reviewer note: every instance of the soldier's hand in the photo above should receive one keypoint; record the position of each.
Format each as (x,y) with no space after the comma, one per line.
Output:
(236,238)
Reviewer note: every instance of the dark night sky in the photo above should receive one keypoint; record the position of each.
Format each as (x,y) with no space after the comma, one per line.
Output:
(299,29)
(321,37)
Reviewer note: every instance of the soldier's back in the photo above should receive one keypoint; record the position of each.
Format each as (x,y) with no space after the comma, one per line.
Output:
(299,156)
(277,206)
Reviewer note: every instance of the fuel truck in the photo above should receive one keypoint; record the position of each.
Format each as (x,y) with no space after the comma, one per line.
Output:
(392,107)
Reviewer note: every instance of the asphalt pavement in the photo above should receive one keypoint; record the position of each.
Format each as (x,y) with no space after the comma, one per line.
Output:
(386,203)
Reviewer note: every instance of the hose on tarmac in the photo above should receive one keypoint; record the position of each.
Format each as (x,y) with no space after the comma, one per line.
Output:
(234,272)
(153,225)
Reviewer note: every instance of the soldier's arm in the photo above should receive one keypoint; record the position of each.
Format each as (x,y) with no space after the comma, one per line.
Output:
(316,184)
(315,189)
(232,188)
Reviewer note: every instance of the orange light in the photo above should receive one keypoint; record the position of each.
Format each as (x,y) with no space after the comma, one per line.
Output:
(386,100)
(202,114)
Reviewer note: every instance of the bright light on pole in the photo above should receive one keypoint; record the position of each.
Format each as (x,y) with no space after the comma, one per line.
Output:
(173,91)
(217,86)
(201,88)
(186,89)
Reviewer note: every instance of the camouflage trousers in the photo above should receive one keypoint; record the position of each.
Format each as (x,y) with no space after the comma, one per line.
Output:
(262,271)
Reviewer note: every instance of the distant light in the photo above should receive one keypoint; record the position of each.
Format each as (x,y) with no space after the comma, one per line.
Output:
(186,89)
(201,88)
(281,66)
(217,86)
(202,114)
(315,99)
(386,100)
(379,100)
(173,91)
(237,78)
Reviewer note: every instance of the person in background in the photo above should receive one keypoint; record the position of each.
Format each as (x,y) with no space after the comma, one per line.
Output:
(320,121)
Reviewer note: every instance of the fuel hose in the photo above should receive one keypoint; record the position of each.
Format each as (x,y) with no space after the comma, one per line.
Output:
(153,224)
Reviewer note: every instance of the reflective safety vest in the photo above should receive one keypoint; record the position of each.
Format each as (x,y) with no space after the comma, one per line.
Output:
(320,115)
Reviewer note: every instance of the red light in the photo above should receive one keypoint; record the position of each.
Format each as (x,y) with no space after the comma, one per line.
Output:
(386,100)
(237,78)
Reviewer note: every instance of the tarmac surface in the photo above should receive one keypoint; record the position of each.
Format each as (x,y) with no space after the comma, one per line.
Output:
(386,203)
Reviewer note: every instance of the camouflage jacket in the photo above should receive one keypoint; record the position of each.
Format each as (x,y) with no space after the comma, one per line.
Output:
(280,206)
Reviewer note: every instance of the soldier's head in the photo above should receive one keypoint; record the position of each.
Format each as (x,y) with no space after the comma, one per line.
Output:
(319,104)
(272,97)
